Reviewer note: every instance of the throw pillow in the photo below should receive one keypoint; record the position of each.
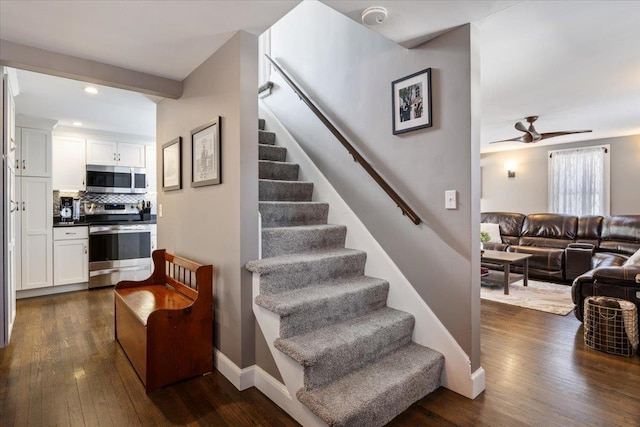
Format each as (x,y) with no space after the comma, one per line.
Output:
(493,230)
(633,259)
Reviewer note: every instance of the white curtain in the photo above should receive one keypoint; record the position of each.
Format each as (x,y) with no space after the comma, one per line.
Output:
(577,181)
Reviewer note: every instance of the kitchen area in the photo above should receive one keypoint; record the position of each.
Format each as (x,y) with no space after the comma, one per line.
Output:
(80,204)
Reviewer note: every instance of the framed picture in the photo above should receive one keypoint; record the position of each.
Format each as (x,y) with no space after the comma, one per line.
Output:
(205,154)
(172,165)
(411,102)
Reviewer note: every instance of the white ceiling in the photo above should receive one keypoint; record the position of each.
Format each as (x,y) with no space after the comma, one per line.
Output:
(575,64)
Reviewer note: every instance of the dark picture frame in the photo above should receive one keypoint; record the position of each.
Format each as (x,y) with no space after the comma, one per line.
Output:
(206,163)
(411,102)
(172,165)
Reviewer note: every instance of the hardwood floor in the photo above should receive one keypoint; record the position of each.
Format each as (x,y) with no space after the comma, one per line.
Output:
(64,368)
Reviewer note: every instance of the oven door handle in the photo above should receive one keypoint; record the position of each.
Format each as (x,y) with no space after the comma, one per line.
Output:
(112,270)
(118,229)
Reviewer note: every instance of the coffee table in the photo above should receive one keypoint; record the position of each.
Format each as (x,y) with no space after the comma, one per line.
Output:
(506,259)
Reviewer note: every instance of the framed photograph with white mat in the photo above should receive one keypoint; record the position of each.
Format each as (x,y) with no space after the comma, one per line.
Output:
(205,154)
(411,102)
(172,165)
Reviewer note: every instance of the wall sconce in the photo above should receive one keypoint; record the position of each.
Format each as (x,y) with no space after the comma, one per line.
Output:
(511,169)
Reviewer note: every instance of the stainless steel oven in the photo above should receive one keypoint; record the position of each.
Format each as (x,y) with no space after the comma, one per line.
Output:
(116,179)
(119,252)
(119,244)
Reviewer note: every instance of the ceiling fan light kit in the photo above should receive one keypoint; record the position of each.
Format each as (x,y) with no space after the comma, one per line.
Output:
(532,135)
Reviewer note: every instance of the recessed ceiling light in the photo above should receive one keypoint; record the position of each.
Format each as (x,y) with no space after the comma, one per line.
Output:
(90,89)
(77,124)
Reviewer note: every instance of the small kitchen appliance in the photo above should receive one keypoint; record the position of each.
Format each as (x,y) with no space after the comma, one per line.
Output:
(66,209)
(76,209)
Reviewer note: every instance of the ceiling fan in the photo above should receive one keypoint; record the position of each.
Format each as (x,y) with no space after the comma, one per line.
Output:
(532,135)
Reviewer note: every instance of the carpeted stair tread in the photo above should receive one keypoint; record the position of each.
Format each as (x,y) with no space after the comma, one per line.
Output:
(266,137)
(301,300)
(289,214)
(333,351)
(272,152)
(289,240)
(268,169)
(377,393)
(261,124)
(325,303)
(275,264)
(288,272)
(293,191)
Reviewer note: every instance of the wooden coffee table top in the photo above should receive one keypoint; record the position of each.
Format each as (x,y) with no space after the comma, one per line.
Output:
(504,256)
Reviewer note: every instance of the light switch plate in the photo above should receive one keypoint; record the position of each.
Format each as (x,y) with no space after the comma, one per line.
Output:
(160,210)
(451,199)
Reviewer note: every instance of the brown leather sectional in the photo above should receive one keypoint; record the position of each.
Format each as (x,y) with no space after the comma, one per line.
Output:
(594,252)
(565,246)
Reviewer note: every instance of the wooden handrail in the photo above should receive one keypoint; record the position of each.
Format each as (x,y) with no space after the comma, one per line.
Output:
(406,210)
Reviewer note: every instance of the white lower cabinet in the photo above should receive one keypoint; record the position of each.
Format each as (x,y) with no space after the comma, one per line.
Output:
(70,255)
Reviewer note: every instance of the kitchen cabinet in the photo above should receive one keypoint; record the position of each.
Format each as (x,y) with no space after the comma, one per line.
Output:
(69,163)
(150,165)
(36,228)
(111,153)
(70,255)
(154,241)
(33,152)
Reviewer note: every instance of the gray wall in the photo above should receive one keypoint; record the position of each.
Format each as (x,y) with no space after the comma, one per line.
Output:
(218,224)
(528,191)
(348,70)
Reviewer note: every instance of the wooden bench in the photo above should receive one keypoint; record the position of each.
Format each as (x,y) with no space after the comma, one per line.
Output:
(165,323)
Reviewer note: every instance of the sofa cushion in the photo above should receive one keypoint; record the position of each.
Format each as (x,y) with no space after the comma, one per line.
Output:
(620,234)
(493,230)
(548,259)
(607,259)
(510,224)
(589,229)
(549,230)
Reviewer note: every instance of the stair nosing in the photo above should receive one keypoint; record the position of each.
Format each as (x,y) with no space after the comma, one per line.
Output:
(273,263)
(344,284)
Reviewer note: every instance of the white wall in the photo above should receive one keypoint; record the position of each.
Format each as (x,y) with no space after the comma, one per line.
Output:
(348,70)
(218,224)
(528,191)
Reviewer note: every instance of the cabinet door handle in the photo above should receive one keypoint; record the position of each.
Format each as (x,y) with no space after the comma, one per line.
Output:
(70,234)
(24,164)
(17,207)
(17,163)
(85,249)
(118,157)
(24,206)
(114,157)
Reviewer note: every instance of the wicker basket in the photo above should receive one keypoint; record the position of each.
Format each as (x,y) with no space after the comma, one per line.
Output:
(611,325)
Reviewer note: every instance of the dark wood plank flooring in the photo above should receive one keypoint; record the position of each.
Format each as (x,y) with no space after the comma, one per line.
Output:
(64,368)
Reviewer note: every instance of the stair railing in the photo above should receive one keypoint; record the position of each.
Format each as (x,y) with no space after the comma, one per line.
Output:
(406,210)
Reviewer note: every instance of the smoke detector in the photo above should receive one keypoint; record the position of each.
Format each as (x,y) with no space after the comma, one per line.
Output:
(374,15)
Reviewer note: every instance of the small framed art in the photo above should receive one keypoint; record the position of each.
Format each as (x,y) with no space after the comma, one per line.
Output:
(411,102)
(205,154)
(172,165)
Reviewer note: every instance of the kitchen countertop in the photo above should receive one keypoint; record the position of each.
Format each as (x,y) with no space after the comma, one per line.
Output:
(84,223)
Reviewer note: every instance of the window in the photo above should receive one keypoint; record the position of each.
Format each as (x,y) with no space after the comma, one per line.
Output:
(579,181)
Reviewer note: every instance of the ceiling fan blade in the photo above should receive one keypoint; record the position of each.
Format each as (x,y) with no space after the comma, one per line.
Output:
(521,127)
(548,135)
(519,138)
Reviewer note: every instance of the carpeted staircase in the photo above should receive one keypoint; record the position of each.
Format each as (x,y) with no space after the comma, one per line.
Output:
(360,366)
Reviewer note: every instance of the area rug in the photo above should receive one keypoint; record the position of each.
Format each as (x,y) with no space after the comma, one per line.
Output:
(542,296)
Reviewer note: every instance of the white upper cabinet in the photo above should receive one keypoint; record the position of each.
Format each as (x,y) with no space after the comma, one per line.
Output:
(33,152)
(110,153)
(69,163)
(150,165)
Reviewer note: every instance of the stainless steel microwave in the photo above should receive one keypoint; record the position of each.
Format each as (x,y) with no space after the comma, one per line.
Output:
(116,179)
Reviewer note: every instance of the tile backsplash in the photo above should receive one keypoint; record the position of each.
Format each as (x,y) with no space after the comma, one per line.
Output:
(102,198)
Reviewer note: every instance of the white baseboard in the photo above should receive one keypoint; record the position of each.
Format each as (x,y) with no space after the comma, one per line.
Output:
(51,290)
(242,379)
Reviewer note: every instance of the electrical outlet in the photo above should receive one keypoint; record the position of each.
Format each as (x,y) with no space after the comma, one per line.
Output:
(160,210)
(451,199)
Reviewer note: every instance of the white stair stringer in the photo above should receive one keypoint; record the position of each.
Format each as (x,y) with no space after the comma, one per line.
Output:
(429,330)
(291,371)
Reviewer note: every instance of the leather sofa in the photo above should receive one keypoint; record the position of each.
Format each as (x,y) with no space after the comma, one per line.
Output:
(565,246)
